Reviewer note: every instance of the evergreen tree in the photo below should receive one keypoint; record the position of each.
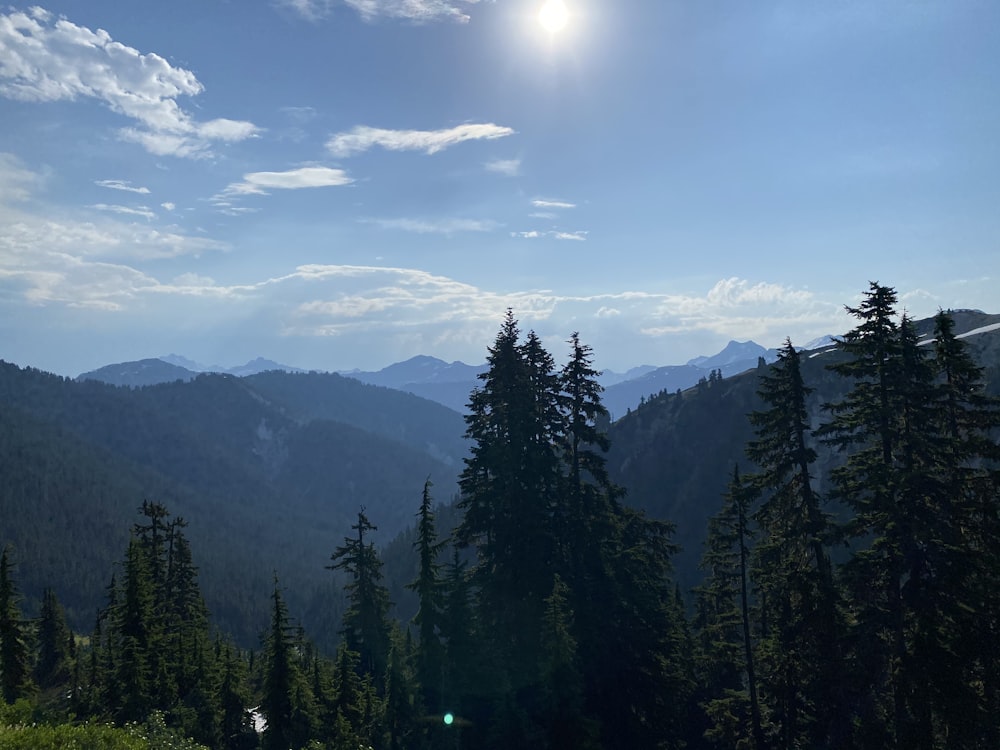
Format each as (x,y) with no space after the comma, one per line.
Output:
(235,725)
(430,652)
(793,570)
(567,727)
(865,422)
(366,627)
(400,696)
(15,663)
(726,652)
(132,622)
(54,663)
(285,700)
(509,486)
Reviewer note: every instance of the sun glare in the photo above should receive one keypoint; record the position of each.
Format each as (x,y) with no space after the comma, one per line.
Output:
(553,16)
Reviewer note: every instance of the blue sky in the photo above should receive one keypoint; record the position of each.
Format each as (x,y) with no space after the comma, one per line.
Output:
(347,183)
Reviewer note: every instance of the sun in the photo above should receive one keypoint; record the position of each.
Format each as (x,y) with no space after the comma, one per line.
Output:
(553,16)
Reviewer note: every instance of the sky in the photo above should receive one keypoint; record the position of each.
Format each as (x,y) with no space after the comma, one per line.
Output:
(338,184)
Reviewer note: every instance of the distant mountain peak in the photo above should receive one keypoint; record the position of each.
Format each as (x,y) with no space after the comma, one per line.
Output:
(734,352)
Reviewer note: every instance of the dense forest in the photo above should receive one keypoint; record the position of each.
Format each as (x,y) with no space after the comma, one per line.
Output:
(853,605)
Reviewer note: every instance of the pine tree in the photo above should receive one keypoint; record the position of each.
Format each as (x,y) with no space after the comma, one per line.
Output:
(15,664)
(366,625)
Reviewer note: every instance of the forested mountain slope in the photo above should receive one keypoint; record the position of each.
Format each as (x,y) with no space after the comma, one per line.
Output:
(269,483)
(676,453)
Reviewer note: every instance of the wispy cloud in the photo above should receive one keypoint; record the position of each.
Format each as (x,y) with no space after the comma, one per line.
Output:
(506,167)
(122,185)
(535,234)
(418,11)
(421,11)
(168,206)
(143,211)
(546,203)
(435,226)
(258,183)
(17,182)
(362,138)
(48,59)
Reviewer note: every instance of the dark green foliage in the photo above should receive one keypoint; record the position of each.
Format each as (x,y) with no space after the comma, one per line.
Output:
(54,662)
(366,624)
(726,666)
(15,664)
(285,699)
(428,586)
(75,456)
(802,677)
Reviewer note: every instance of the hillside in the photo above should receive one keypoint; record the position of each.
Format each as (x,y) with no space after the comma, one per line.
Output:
(284,483)
(675,454)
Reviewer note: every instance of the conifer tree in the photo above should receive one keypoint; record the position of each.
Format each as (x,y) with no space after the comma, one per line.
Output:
(15,657)
(726,650)
(285,700)
(566,725)
(132,622)
(400,696)
(366,625)
(793,567)
(54,663)
(428,586)
(509,486)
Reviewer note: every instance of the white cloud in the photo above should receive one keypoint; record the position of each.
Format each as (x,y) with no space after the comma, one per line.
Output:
(168,206)
(543,215)
(607,312)
(362,137)
(736,307)
(258,183)
(16,181)
(125,185)
(507,167)
(44,59)
(136,211)
(419,11)
(414,10)
(545,203)
(438,226)
(534,234)
(575,236)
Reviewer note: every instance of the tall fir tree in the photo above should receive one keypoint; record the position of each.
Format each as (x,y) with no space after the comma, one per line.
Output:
(54,663)
(727,670)
(285,699)
(804,676)
(429,590)
(366,624)
(15,655)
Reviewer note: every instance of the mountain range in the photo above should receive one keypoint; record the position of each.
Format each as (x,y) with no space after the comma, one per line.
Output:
(450,383)
(270,469)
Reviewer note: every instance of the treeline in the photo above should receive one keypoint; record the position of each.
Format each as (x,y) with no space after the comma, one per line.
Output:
(549,618)
(880,632)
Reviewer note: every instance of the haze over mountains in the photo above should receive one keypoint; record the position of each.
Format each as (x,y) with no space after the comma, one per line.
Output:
(449,383)
(270,468)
